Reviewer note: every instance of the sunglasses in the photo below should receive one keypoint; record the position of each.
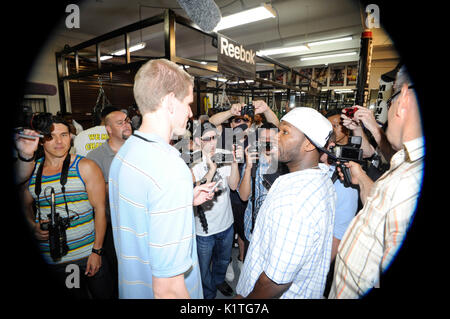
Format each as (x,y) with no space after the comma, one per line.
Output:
(389,101)
(207,139)
(238,120)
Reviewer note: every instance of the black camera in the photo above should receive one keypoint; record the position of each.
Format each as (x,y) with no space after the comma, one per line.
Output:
(57,231)
(350,152)
(249,110)
(344,153)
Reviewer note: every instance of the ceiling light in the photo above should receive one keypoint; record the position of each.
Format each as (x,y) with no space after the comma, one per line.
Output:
(241,82)
(327,56)
(301,48)
(133,48)
(298,48)
(311,44)
(262,12)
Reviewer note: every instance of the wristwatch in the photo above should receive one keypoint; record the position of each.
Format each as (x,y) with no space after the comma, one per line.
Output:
(98,251)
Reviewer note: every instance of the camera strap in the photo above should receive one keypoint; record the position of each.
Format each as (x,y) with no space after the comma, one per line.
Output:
(62,180)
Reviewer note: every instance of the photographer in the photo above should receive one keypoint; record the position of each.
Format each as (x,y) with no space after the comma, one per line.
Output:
(376,233)
(264,159)
(214,218)
(26,148)
(260,107)
(245,122)
(76,199)
(364,116)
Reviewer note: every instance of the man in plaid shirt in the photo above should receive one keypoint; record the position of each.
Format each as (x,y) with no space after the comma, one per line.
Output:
(290,250)
(376,233)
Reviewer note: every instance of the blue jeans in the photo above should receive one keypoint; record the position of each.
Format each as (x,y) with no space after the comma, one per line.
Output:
(214,253)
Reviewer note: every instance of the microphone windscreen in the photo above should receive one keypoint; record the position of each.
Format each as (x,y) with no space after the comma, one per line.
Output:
(205,13)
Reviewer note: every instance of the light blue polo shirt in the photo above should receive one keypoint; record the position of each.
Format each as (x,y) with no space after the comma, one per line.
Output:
(151,194)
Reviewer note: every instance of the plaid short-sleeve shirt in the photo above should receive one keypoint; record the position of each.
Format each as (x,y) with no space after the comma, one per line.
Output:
(376,233)
(291,242)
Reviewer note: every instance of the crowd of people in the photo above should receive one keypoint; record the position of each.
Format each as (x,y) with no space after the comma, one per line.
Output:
(145,222)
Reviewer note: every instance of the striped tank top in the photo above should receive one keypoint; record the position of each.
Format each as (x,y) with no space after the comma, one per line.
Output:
(81,232)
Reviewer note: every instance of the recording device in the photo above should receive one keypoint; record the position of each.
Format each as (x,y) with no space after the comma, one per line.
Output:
(350,152)
(344,153)
(31,137)
(217,185)
(350,111)
(39,122)
(249,110)
(57,225)
(205,13)
(57,230)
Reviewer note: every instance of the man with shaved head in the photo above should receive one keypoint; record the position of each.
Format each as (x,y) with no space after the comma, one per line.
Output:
(118,126)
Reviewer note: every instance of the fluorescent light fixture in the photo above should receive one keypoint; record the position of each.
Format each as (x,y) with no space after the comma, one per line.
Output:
(262,12)
(339,91)
(105,57)
(298,48)
(301,48)
(311,44)
(203,62)
(133,48)
(240,82)
(327,56)
(220,79)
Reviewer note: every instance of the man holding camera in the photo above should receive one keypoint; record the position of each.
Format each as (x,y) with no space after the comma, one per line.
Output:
(260,160)
(376,233)
(214,218)
(260,107)
(240,120)
(289,253)
(72,234)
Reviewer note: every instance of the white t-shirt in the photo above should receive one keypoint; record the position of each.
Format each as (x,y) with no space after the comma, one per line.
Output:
(218,211)
(90,139)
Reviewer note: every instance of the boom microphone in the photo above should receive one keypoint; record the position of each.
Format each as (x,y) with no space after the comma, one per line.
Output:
(205,13)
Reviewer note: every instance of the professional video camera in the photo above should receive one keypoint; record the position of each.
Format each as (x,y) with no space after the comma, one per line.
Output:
(57,231)
(350,152)
(344,153)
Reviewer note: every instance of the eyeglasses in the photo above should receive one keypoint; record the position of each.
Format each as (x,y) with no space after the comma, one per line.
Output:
(389,101)
(238,120)
(207,139)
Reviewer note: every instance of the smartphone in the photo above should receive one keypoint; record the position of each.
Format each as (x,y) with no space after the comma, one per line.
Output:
(214,187)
